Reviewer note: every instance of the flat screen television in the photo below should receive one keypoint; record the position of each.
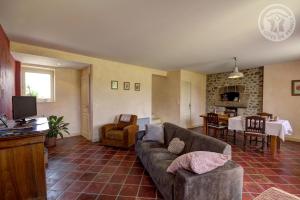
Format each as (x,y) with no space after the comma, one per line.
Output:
(230,96)
(23,107)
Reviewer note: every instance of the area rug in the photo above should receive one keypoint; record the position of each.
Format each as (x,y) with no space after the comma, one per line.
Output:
(276,194)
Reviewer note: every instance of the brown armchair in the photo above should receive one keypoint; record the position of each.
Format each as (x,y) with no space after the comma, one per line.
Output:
(121,134)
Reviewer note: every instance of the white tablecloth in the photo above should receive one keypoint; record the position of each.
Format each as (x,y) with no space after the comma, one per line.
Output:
(278,128)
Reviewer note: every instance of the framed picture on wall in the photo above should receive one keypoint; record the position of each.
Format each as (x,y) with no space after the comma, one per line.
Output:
(114,85)
(296,88)
(126,86)
(137,86)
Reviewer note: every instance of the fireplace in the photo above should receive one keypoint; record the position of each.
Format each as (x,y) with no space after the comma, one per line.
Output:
(233,96)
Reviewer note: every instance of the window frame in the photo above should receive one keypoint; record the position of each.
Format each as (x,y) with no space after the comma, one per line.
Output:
(41,70)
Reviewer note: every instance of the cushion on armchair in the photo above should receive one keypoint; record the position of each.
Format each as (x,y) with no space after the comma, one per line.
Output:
(115,135)
(125,118)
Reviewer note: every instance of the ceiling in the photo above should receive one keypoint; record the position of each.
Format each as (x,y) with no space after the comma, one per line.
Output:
(46,61)
(199,35)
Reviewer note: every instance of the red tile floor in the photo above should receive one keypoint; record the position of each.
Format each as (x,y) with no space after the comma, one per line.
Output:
(79,169)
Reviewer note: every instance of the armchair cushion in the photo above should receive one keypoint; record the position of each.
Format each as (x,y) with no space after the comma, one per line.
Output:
(115,135)
(108,127)
(125,118)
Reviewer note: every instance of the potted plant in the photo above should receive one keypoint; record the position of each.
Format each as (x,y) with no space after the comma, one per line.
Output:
(57,126)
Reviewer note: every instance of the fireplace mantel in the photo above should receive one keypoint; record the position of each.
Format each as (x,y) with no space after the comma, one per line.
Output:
(243,97)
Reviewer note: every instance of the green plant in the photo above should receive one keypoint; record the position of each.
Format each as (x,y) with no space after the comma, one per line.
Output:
(31,92)
(57,126)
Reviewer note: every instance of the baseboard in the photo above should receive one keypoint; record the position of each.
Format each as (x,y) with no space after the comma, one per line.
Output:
(293,139)
(71,135)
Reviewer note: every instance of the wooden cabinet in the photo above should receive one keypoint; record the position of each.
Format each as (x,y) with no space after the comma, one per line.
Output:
(22,170)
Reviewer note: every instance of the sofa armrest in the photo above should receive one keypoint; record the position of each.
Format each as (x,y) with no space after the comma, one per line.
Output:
(105,128)
(130,133)
(140,135)
(225,182)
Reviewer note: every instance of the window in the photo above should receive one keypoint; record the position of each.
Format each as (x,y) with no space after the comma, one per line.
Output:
(39,82)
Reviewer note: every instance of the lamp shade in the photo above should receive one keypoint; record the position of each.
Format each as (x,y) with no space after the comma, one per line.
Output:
(236,73)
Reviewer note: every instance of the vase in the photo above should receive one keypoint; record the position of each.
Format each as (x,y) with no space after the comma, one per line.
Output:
(50,142)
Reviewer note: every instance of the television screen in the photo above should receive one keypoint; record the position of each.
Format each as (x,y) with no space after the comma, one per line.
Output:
(23,107)
(230,96)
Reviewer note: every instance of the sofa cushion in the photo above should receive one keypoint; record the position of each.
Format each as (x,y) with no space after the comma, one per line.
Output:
(169,132)
(147,145)
(176,146)
(172,131)
(158,154)
(207,143)
(143,148)
(198,162)
(154,133)
(114,135)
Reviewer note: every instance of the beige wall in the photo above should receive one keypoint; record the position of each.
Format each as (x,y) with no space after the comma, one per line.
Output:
(198,96)
(159,97)
(67,99)
(277,94)
(166,97)
(107,103)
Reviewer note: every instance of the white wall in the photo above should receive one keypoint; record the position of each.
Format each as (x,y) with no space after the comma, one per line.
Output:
(67,103)
(277,94)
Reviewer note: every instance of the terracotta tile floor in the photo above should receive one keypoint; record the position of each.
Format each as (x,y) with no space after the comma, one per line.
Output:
(79,169)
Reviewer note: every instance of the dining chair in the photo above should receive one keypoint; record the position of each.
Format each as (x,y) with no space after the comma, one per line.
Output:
(270,116)
(214,123)
(264,114)
(255,127)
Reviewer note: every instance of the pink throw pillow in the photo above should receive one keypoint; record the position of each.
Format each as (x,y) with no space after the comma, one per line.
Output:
(198,162)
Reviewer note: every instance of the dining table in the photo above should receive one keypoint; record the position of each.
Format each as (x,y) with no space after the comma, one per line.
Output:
(276,129)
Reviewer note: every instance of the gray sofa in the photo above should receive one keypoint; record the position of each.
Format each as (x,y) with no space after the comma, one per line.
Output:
(223,183)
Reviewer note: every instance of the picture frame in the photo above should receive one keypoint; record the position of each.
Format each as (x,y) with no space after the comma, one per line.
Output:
(126,86)
(114,85)
(295,87)
(137,86)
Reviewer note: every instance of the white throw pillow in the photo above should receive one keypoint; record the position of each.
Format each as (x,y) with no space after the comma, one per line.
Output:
(125,118)
(176,146)
(154,133)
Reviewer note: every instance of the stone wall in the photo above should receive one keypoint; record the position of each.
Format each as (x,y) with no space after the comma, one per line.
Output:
(253,82)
